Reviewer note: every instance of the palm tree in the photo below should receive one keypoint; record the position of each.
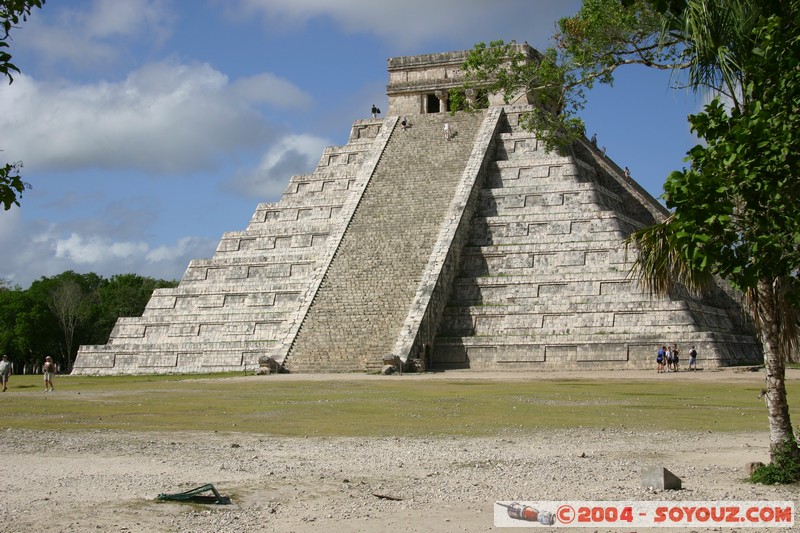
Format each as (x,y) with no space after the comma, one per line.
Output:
(727,51)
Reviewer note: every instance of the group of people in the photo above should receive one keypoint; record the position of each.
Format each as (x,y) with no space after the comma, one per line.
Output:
(448,134)
(49,370)
(668,359)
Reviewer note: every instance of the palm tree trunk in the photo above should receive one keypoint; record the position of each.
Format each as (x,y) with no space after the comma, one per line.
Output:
(780,426)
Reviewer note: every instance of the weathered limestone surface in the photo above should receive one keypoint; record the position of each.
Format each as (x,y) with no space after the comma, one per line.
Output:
(544,280)
(360,308)
(487,249)
(239,305)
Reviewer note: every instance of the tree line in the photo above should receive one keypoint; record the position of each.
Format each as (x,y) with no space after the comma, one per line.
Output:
(56,315)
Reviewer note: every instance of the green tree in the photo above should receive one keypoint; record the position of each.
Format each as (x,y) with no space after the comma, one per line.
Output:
(734,211)
(122,295)
(60,313)
(71,300)
(11,13)
(27,329)
(723,207)
(11,305)
(56,315)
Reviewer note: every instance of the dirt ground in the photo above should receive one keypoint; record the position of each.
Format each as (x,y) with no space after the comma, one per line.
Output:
(108,481)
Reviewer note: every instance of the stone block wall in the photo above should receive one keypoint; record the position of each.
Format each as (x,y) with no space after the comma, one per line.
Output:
(544,280)
(231,309)
(362,303)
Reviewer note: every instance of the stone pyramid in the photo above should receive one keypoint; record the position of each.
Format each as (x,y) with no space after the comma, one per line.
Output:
(481,251)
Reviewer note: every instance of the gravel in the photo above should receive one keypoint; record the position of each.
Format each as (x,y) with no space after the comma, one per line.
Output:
(108,481)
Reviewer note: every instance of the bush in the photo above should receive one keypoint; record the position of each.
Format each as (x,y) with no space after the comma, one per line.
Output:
(784,468)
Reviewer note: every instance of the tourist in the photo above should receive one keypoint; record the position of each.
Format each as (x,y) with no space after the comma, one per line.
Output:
(404,123)
(375,111)
(675,353)
(49,370)
(446,131)
(669,358)
(660,359)
(594,139)
(627,173)
(5,371)
(692,359)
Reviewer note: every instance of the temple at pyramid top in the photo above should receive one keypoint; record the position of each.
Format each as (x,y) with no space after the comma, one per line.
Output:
(453,240)
(422,84)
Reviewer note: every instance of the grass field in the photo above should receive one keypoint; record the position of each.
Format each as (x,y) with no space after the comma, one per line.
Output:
(381,407)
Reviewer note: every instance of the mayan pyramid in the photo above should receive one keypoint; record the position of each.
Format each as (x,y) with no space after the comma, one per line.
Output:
(482,251)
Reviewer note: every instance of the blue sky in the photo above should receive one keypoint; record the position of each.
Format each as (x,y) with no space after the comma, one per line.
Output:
(148,128)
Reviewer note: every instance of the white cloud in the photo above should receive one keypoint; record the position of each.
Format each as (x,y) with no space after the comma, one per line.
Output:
(185,248)
(164,117)
(271,90)
(40,249)
(89,37)
(129,18)
(94,249)
(413,21)
(295,154)
(57,44)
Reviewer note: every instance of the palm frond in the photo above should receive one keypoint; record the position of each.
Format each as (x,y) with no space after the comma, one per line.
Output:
(660,266)
(719,38)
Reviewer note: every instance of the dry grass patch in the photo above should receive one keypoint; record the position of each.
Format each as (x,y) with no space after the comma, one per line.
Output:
(394,406)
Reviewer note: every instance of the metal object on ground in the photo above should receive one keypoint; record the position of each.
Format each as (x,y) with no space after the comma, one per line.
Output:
(196,496)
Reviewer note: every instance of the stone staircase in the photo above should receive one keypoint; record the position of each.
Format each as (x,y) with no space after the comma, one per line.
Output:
(544,279)
(236,307)
(363,300)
